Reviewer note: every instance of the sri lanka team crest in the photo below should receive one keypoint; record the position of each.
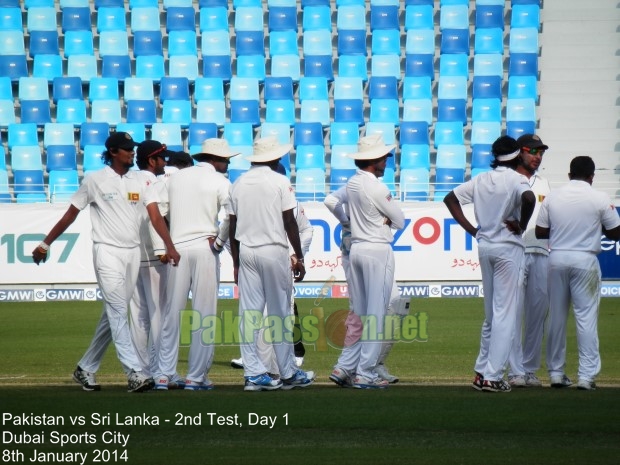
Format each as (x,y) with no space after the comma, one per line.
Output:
(133,196)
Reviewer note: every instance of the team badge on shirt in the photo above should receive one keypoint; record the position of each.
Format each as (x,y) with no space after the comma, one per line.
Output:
(541,197)
(388,197)
(133,196)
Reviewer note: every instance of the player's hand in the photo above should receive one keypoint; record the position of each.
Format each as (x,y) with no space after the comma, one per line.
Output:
(39,255)
(387,221)
(164,258)
(514,227)
(174,257)
(345,242)
(299,271)
(214,247)
(236,274)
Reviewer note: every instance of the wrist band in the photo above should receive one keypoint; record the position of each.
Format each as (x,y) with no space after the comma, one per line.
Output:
(44,246)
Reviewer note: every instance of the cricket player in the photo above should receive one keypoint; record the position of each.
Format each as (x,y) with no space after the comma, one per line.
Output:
(195,195)
(526,352)
(116,198)
(574,217)
(262,224)
(503,205)
(373,214)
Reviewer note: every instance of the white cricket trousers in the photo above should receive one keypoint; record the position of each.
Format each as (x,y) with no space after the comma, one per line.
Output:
(116,270)
(265,279)
(371,280)
(145,314)
(526,353)
(575,275)
(500,265)
(198,271)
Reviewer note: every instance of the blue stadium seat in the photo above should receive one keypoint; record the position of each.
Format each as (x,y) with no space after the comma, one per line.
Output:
(180,19)
(310,184)
(317,42)
(451,156)
(250,43)
(216,43)
(144,19)
(453,64)
(447,179)
(22,134)
(281,131)
(382,87)
(419,17)
(387,130)
(239,134)
(213,18)
(489,40)
(111,19)
(486,109)
(169,134)
(210,103)
(481,156)
(91,158)
(523,64)
(41,18)
(452,87)
(449,109)
(7,112)
(520,109)
(485,132)
(199,132)
(217,66)
(351,17)
(212,3)
(523,87)
(318,66)
(26,157)
(384,17)
(340,159)
(385,111)
(517,128)
(138,89)
(6,88)
(338,177)
(286,66)
(181,43)
(487,87)
(31,88)
(279,100)
(308,134)
(66,87)
(113,43)
(58,134)
(136,130)
(344,134)
(102,88)
(412,133)
(141,111)
(419,2)
(49,67)
(147,43)
(420,42)
(249,18)
(244,89)
(150,66)
(525,15)
(35,111)
(12,43)
(75,19)
(310,156)
(208,89)
(449,132)
(351,42)
(385,65)
(109,4)
(488,64)
(455,41)
(454,17)
(415,156)
(349,110)
(417,87)
(283,43)
(61,157)
(62,185)
(10,18)
(316,17)
(415,184)
(94,133)
(523,40)
(354,66)
(348,88)
(29,184)
(282,18)
(105,111)
(79,42)
(82,66)
(183,66)
(177,111)
(43,43)
(74,3)
(490,16)
(176,3)
(418,110)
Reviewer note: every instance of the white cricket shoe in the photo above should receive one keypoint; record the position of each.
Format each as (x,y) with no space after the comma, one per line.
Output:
(383,373)
(518,381)
(237,363)
(532,380)
(560,381)
(585,385)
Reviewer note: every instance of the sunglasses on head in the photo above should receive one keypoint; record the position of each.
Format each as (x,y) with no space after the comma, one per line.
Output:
(158,152)
(534,150)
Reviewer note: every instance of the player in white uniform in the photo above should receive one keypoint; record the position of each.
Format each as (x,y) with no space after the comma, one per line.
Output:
(261,221)
(503,205)
(115,196)
(573,217)
(336,203)
(177,161)
(195,195)
(526,350)
(150,294)
(373,213)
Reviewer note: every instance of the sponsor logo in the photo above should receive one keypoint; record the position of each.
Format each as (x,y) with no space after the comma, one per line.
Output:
(610,290)
(414,291)
(226,292)
(312,291)
(460,291)
(16,295)
(64,294)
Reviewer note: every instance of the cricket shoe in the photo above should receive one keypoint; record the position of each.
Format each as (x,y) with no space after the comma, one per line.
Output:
(237,363)
(137,382)
(532,380)
(176,382)
(495,386)
(205,385)
(161,383)
(262,382)
(341,377)
(560,381)
(361,382)
(381,370)
(478,382)
(517,381)
(86,379)
(300,379)
(585,385)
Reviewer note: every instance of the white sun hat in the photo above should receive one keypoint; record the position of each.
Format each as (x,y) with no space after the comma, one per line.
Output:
(372,147)
(268,149)
(216,147)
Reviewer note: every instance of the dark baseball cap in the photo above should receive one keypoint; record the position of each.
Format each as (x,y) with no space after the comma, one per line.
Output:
(120,140)
(180,159)
(151,148)
(531,141)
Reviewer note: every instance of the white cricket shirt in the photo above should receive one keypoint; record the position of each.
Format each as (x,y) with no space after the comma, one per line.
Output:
(117,206)
(540,187)
(496,196)
(258,199)
(370,203)
(195,197)
(574,214)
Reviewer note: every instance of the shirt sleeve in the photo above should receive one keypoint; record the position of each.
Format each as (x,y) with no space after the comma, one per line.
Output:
(543,215)
(81,198)
(609,216)
(465,192)
(305,229)
(385,203)
(288,196)
(224,201)
(335,204)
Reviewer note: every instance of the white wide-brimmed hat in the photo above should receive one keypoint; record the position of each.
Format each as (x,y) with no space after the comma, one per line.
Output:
(268,149)
(371,147)
(215,147)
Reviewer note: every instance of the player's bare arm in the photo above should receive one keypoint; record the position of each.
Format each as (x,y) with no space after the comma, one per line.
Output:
(528,202)
(613,234)
(234,245)
(292,231)
(160,227)
(455,209)
(40,253)
(541,233)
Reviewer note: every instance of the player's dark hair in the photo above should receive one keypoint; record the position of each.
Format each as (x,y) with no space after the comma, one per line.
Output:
(106,156)
(503,146)
(581,167)
(361,164)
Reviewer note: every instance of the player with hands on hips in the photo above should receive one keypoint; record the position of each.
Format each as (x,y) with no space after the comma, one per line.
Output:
(116,198)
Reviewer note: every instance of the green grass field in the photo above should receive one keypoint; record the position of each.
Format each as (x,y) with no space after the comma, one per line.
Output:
(431,417)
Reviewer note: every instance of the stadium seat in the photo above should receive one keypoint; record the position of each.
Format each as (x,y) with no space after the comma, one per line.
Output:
(486,109)
(109,4)
(22,134)
(414,133)
(31,88)
(317,42)
(144,19)
(94,133)
(249,18)
(279,100)
(61,157)
(523,87)
(455,41)
(66,87)
(525,15)
(454,17)
(199,132)
(7,112)
(316,17)
(174,97)
(250,43)
(43,43)
(180,18)
(340,157)
(485,132)
(481,156)
(141,111)
(210,103)
(173,88)
(138,89)
(217,66)
(419,17)
(48,66)
(113,43)
(213,18)
(420,42)
(351,17)
(452,87)
(418,110)
(387,130)
(318,66)
(310,156)
(282,18)
(91,158)
(448,132)
(338,177)
(308,134)
(111,18)
(29,185)
(106,111)
(453,65)
(177,4)
(286,65)
(523,64)
(385,65)
(182,43)
(177,111)
(489,40)
(487,87)
(150,66)
(251,66)
(520,109)
(62,185)
(344,134)
(116,66)
(239,134)
(35,111)
(41,18)
(183,66)
(58,134)
(310,184)
(384,17)
(488,64)
(10,18)
(281,131)
(26,157)
(136,130)
(354,66)
(415,156)
(417,87)
(82,66)
(452,110)
(447,179)
(102,88)
(169,134)
(283,43)
(517,128)
(414,184)
(75,19)
(451,156)
(523,40)
(351,42)
(488,16)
